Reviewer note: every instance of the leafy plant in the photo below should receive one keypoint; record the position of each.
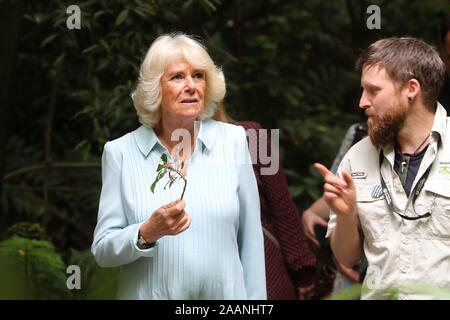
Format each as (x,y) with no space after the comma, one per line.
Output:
(174,173)
(31,269)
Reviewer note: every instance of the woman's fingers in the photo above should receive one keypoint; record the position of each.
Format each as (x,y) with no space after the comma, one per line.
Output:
(185,223)
(170,219)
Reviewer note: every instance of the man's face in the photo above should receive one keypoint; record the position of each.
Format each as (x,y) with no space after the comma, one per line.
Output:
(446,52)
(384,105)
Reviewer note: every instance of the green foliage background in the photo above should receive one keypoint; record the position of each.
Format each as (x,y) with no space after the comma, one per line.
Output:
(288,64)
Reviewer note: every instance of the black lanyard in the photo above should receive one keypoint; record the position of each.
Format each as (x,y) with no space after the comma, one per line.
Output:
(418,188)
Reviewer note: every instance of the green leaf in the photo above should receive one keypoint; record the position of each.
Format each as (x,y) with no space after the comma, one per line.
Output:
(182,165)
(59,60)
(160,166)
(164,158)
(105,45)
(89,49)
(122,17)
(48,40)
(98,14)
(152,188)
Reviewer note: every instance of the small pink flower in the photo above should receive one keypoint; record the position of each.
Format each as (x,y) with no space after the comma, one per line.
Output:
(169,163)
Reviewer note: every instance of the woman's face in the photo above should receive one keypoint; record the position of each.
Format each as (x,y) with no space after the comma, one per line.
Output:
(183,89)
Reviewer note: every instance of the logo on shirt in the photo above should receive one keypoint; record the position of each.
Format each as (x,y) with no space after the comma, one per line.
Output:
(358,175)
(444,169)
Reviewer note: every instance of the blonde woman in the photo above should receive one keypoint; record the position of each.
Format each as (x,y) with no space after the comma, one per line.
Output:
(209,245)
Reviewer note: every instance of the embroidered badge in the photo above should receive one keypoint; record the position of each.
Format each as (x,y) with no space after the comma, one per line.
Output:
(444,169)
(358,175)
(377,191)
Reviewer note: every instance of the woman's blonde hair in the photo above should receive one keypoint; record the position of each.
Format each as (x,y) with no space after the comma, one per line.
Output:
(147,96)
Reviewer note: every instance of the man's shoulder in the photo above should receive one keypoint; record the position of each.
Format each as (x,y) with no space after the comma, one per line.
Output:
(362,149)
(363,155)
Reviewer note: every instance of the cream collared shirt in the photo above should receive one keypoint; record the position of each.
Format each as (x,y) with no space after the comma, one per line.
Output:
(403,254)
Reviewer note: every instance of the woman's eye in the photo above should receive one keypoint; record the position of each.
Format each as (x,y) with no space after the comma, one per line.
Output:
(176,77)
(199,75)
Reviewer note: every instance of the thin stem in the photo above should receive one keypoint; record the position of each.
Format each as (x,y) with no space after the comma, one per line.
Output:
(184,189)
(182,177)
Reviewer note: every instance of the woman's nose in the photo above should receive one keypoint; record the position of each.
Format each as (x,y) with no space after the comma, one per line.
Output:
(190,85)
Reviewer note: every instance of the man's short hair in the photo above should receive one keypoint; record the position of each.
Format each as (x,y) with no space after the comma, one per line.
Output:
(404,59)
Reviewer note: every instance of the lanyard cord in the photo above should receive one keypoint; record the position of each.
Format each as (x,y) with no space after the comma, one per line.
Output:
(418,188)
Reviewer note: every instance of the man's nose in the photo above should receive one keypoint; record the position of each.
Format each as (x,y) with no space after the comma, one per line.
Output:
(364,102)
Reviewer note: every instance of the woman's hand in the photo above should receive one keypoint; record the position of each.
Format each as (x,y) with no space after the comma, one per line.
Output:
(169,220)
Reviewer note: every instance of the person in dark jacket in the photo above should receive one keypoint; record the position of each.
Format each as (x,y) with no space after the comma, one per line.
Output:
(290,265)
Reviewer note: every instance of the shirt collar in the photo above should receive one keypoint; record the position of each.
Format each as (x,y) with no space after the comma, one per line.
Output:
(439,126)
(146,138)
(207,133)
(440,122)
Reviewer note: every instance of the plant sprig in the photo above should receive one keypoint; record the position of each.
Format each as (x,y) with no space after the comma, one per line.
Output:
(174,173)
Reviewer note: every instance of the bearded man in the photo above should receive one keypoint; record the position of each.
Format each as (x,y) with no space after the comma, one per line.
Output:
(391,195)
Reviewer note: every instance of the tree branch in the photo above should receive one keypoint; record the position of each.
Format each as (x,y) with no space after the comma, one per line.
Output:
(51,165)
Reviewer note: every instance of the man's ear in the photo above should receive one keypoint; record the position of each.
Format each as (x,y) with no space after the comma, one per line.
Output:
(413,89)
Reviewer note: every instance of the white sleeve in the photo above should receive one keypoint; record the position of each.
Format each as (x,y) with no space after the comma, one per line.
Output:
(115,242)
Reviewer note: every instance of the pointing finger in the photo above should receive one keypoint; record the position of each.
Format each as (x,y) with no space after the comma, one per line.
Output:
(329,176)
(322,169)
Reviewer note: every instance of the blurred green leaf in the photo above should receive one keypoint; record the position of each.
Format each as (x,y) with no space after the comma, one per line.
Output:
(48,40)
(122,17)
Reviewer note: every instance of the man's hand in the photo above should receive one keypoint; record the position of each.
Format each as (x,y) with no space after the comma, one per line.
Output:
(170,219)
(309,220)
(347,272)
(305,293)
(339,194)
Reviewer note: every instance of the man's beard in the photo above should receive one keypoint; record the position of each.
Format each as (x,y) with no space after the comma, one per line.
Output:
(384,130)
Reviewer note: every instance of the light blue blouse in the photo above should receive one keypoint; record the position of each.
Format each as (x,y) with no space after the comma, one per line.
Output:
(221,254)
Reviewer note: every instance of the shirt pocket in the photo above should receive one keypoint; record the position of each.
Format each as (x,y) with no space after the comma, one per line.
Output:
(373,213)
(437,194)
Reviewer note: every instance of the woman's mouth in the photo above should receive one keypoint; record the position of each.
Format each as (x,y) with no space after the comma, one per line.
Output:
(189,101)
